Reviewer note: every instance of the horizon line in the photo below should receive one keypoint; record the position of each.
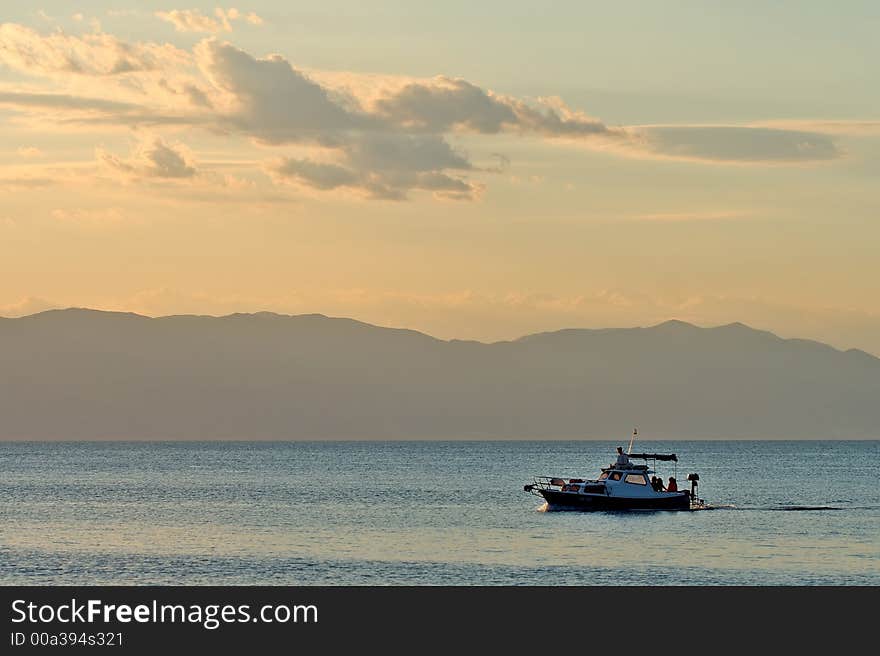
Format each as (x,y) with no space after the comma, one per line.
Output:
(671,321)
(314,440)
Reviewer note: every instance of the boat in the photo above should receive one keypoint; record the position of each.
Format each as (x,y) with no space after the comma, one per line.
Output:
(621,485)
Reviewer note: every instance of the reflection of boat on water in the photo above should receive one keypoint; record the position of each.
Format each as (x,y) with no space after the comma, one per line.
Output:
(620,486)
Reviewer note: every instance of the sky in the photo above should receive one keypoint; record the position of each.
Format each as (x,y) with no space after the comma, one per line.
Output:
(470,170)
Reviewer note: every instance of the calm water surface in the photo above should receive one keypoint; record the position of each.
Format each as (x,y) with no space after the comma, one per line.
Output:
(358,513)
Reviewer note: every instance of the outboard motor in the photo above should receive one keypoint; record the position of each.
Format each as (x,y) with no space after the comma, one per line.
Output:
(693,478)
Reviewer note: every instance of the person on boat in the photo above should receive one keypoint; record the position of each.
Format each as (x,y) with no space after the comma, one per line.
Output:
(622,458)
(673,486)
(657,483)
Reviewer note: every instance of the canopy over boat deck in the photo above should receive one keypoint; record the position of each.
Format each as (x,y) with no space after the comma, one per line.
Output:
(655,456)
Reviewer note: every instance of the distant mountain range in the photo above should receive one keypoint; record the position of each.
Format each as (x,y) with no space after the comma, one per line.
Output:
(85,374)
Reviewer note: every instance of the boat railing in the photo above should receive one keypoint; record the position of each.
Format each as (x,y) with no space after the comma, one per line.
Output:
(544,483)
(552,483)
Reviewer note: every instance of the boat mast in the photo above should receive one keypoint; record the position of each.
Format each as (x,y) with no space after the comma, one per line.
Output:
(630,447)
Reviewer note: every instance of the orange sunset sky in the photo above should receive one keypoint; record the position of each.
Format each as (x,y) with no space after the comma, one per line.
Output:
(471,170)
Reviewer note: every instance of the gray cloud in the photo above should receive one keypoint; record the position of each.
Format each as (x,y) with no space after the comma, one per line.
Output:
(446,105)
(387,166)
(385,146)
(396,145)
(317,174)
(165,162)
(85,110)
(197,96)
(735,144)
(384,185)
(194,95)
(394,152)
(398,142)
(152,159)
(555,119)
(64,101)
(277,103)
(394,185)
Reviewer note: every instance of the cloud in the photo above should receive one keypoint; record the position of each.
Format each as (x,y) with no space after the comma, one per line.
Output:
(43,110)
(274,102)
(194,96)
(857,128)
(386,185)
(97,78)
(381,138)
(316,174)
(446,104)
(394,152)
(192,20)
(96,54)
(730,144)
(25,182)
(29,152)
(153,158)
(553,118)
(278,104)
(65,101)
(386,166)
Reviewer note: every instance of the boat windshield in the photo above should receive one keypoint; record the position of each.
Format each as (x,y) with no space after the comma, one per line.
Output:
(603,476)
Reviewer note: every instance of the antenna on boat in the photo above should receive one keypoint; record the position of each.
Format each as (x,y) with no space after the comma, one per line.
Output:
(630,447)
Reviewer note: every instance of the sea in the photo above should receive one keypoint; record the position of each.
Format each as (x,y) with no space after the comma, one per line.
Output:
(420,513)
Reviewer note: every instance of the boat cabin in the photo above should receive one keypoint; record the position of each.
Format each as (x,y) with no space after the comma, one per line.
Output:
(621,479)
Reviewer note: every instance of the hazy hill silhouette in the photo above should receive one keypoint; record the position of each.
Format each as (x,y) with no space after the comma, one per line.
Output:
(85,374)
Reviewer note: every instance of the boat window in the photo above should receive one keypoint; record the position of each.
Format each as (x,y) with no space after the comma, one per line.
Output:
(615,476)
(603,476)
(637,479)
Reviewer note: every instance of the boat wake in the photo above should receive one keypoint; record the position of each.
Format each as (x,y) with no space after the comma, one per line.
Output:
(799,508)
(784,508)
(729,506)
